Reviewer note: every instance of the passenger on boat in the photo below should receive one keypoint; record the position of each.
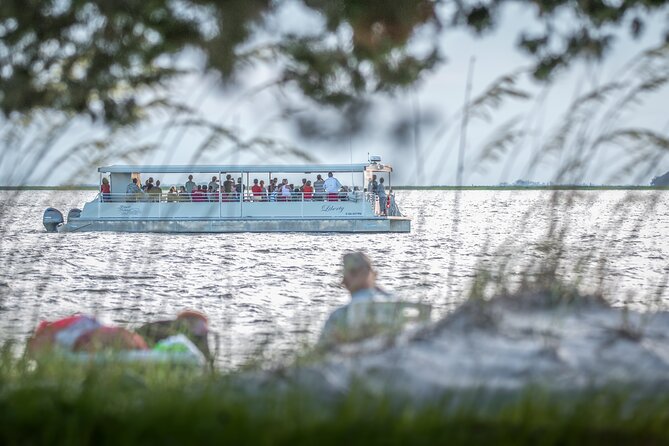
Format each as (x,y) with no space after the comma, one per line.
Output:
(318,188)
(304,183)
(381,192)
(308,191)
(263,191)
(148,185)
(227,188)
(256,190)
(211,195)
(183,194)
(105,189)
(214,183)
(172,195)
(156,192)
(286,192)
(190,185)
(198,194)
(332,186)
(239,187)
(133,191)
(373,184)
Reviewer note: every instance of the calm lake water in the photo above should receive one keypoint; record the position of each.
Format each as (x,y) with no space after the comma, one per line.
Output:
(269,294)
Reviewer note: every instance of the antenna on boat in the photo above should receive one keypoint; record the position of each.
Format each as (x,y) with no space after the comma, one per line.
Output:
(350,152)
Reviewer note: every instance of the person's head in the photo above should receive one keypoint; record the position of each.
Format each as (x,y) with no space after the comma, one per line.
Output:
(199,187)
(214,178)
(373,177)
(134,180)
(150,180)
(262,182)
(228,177)
(210,188)
(105,180)
(285,181)
(239,180)
(182,189)
(173,189)
(319,177)
(190,177)
(358,272)
(255,181)
(381,180)
(304,181)
(157,183)
(308,182)
(329,174)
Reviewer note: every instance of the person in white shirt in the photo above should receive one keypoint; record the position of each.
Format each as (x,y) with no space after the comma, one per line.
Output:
(286,191)
(214,184)
(190,184)
(332,186)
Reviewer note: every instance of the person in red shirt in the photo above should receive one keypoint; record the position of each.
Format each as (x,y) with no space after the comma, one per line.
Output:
(308,191)
(198,195)
(105,189)
(256,190)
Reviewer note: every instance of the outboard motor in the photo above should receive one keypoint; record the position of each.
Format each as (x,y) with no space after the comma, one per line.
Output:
(73,214)
(52,219)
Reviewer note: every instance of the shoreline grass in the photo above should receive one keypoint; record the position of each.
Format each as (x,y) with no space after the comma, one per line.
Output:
(128,405)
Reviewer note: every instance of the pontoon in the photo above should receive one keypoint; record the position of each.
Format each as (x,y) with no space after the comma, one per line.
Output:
(353,209)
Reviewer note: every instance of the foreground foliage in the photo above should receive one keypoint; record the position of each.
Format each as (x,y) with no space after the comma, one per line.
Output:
(62,404)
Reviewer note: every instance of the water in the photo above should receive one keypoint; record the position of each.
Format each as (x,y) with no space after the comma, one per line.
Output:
(267,295)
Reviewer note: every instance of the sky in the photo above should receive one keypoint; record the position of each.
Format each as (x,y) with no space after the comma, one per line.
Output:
(425,157)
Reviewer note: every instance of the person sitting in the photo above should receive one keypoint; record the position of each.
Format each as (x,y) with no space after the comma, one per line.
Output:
(286,191)
(105,189)
(184,195)
(192,324)
(308,191)
(256,190)
(263,191)
(156,192)
(172,195)
(332,186)
(371,311)
(198,194)
(133,191)
(148,184)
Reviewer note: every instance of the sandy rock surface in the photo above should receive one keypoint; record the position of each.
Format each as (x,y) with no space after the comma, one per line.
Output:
(505,344)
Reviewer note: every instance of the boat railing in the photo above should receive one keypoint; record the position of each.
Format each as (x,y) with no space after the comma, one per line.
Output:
(232,197)
(368,202)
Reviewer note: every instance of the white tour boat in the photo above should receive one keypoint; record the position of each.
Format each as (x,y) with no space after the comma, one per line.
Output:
(351,209)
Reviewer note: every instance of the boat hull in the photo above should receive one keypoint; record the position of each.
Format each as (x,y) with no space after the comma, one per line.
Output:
(358,225)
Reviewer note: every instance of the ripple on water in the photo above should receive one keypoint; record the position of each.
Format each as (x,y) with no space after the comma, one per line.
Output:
(283,286)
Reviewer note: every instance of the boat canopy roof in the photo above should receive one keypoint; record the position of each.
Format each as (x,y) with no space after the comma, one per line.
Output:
(250,168)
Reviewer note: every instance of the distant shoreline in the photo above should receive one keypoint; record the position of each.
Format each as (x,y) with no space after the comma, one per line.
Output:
(553,187)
